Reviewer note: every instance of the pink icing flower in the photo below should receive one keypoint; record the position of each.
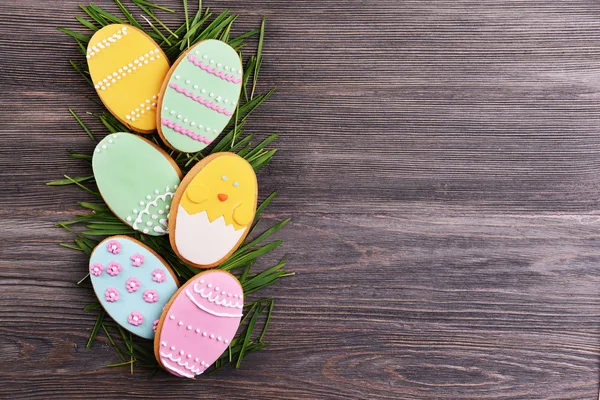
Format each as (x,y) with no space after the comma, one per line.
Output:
(96,269)
(137,260)
(150,296)
(158,275)
(135,318)
(111,294)
(114,268)
(132,285)
(155,325)
(113,247)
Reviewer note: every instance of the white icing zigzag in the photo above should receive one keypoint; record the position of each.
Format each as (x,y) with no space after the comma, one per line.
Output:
(196,371)
(200,306)
(146,211)
(215,299)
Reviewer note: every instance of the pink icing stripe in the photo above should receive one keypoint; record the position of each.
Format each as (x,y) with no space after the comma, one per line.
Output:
(225,77)
(200,100)
(178,128)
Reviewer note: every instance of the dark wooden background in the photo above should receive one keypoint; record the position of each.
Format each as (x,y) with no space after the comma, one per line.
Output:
(440,160)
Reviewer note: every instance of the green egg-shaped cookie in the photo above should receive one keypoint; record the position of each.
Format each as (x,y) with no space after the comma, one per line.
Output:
(199,96)
(137,180)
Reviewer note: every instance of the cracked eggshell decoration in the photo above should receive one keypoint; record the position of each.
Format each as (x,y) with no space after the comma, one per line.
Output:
(127,68)
(213,209)
(132,283)
(198,323)
(137,180)
(199,95)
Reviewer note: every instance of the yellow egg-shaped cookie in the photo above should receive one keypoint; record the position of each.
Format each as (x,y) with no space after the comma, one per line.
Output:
(127,68)
(213,209)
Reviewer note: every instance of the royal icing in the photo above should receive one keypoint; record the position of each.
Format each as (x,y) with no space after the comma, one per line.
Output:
(127,68)
(199,323)
(200,96)
(213,210)
(137,181)
(131,296)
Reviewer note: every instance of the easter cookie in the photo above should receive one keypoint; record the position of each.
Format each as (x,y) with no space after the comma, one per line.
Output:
(132,283)
(198,324)
(199,95)
(127,68)
(137,181)
(213,209)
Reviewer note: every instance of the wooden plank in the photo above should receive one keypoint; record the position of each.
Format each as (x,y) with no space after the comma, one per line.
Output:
(439,160)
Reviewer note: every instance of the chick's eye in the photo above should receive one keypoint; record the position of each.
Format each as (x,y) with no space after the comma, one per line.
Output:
(236,184)
(224,177)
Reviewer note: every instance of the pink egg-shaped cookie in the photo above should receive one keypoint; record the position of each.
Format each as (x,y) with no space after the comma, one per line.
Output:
(199,322)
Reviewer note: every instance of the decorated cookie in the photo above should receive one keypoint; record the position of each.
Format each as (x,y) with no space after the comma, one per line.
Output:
(198,324)
(137,181)
(127,68)
(199,96)
(213,209)
(132,283)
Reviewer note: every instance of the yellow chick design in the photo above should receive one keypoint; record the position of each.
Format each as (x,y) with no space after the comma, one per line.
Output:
(213,209)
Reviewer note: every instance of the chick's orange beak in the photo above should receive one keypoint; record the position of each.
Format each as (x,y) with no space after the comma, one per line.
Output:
(222,196)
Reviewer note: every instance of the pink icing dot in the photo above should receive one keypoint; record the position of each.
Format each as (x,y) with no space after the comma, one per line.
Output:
(137,260)
(158,275)
(113,268)
(113,247)
(150,296)
(96,269)
(132,285)
(135,318)
(111,295)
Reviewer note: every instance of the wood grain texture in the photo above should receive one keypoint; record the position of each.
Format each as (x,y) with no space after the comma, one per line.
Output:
(440,160)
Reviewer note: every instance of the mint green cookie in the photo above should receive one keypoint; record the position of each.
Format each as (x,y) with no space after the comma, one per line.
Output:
(201,95)
(136,180)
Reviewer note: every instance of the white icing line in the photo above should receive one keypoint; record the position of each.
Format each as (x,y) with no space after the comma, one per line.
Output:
(145,211)
(127,69)
(149,105)
(175,116)
(184,365)
(95,49)
(180,372)
(200,306)
(215,299)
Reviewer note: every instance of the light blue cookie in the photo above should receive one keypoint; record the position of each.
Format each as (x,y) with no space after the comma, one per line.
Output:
(132,283)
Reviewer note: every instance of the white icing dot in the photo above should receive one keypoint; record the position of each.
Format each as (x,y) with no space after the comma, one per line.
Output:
(223,292)
(192,123)
(148,197)
(195,86)
(133,119)
(147,109)
(212,61)
(179,116)
(205,57)
(172,112)
(142,58)
(204,333)
(127,117)
(203,91)
(172,347)
(226,68)
(136,62)
(188,82)
(128,219)
(212,95)
(210,285)
(207,129)
(163,344)
(145,231)
(154,97)
(201,280)
(219,65)
(212,335)
(134,68)
(167,206)
(120,70)
(166,108)
(177,77)
(185,120)
(149,223)
(197,331)
(180,323)
(154,217)
(189,327)
(88,57)
(103,147)
(189,356)
(161,212)
(226,341)
(141,203)
(172,317)
(217,289)
(135,211)
(145,61)
(153,104)
(181,352)
(219,338)
(196,360)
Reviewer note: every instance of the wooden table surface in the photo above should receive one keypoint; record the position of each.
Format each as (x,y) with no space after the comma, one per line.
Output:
(440,161)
